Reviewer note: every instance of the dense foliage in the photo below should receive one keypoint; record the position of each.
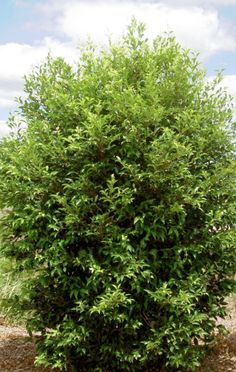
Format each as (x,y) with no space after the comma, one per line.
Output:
(120,194)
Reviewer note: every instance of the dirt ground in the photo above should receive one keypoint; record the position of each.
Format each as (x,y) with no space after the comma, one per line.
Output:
(17,351)
(223,356)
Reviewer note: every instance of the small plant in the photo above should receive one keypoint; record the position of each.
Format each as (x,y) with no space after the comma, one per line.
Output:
(121,198)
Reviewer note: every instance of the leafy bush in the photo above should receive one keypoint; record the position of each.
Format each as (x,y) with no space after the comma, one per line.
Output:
(121,197)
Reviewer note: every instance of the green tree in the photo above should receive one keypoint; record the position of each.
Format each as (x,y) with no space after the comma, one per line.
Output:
(120,196)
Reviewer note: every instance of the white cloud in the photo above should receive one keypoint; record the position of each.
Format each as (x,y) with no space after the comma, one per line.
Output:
(229,82)
(18,60)
(4,129)
(49,6)
(204,3)
(6,100)
(194,23)
(195,27)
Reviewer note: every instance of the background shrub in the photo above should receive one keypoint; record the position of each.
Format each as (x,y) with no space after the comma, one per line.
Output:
(10,290)
(121,197)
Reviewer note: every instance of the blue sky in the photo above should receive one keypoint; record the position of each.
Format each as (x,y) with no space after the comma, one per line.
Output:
(29,29)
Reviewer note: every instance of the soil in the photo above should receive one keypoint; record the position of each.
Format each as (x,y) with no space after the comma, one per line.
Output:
(223,356)
(17,352)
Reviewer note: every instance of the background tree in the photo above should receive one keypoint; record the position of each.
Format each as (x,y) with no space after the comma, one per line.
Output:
(120,197)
